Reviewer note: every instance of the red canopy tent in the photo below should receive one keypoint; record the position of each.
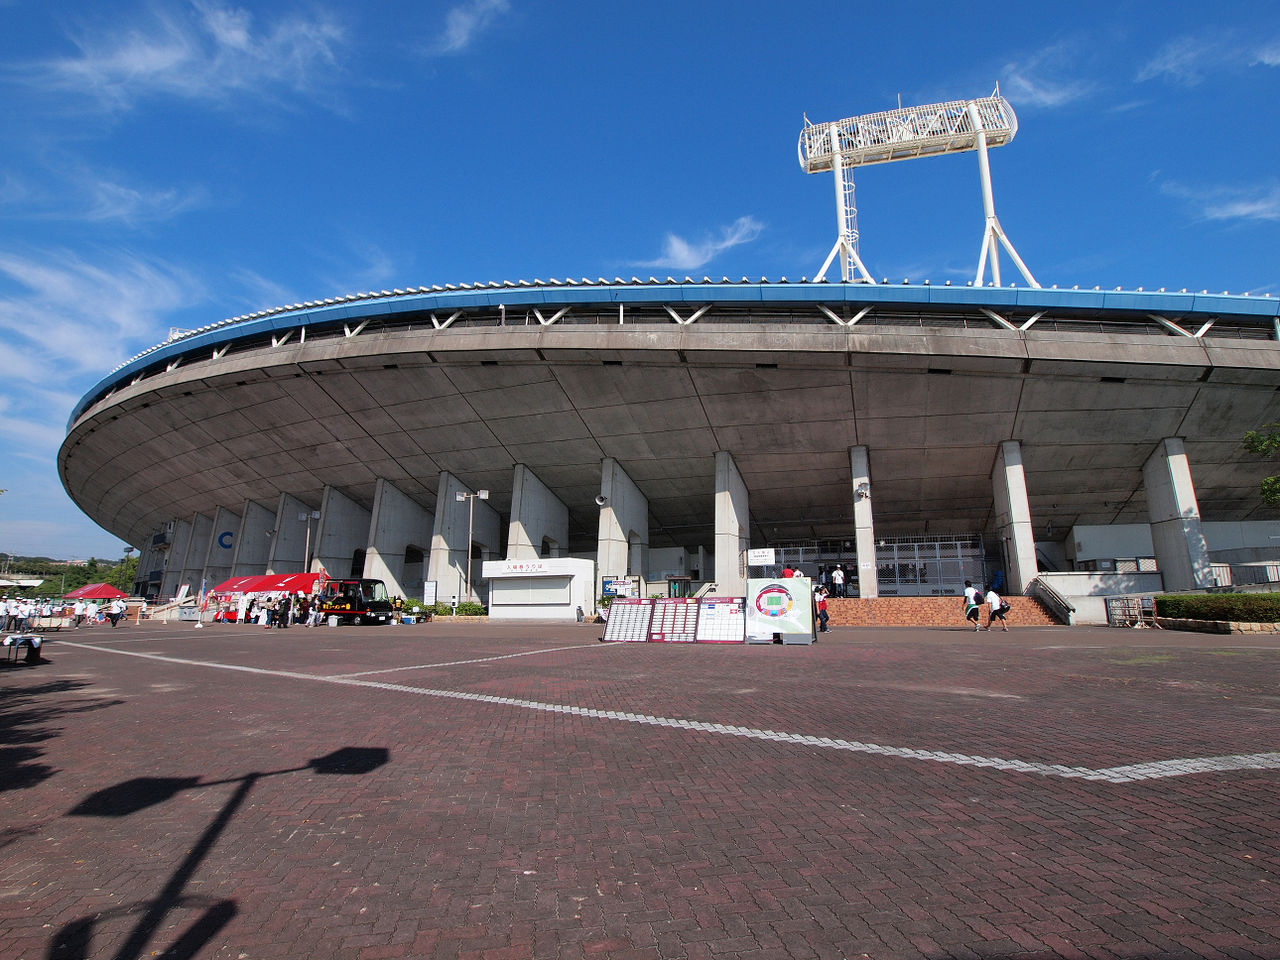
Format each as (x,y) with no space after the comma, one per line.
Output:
(270,583)
(94,591)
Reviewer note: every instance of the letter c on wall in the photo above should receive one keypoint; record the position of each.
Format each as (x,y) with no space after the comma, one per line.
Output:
(224,539)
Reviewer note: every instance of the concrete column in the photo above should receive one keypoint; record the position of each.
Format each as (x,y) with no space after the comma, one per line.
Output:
(537,515)
(253,541)
(339,539)
(175,559)
(289,542)
(150,569)
(1174,514)
(397,526)
(864,528)
(733,528)
(197,550)
(623,541)
(449,547)
(222,546)
(1013,517)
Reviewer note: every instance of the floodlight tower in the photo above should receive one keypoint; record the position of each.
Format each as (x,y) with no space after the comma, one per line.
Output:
(907,133)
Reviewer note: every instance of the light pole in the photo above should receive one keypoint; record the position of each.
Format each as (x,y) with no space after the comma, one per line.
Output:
(306,556)
(470,499)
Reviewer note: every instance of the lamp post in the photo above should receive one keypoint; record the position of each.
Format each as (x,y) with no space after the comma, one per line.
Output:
(470,499)
(306,554)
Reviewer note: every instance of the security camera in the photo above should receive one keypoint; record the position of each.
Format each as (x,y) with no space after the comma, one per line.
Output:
(601,499)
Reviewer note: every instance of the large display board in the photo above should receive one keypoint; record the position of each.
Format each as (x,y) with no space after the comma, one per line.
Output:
(675,620)
(629,619)
(722,620)
(782,608)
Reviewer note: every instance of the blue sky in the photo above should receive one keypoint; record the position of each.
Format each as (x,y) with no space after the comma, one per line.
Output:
(170,164)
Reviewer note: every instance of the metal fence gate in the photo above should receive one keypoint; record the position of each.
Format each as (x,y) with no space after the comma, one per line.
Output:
(917,566)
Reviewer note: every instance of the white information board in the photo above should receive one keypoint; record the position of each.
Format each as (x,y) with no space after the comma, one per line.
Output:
(782,606)
(629,619)
(721,620)
(675,620)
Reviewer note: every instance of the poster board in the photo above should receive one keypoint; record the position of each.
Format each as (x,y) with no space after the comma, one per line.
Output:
(781,607)
(629,619)
(675,620)
(722,620)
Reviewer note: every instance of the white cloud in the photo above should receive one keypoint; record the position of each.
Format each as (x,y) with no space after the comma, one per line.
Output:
(463,22)
(1259,202)
(68,317)
(1188,60)
(1046,79)
(206,52)
(681,254)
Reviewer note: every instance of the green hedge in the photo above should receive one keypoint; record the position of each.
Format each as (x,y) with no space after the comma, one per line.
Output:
(1240,607)
(465,609)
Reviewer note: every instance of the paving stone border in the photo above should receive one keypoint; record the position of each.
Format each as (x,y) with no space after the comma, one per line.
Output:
(1216,626)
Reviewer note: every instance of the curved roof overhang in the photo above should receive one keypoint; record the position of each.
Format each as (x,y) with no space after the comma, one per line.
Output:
(1184,313)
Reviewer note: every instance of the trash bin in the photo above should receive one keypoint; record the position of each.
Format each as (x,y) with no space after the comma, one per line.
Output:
(333,621)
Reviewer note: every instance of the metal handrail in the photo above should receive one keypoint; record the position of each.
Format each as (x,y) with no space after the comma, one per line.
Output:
(1058,605)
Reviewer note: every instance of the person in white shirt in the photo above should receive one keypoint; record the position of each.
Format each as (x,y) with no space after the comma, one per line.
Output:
(996,610)
(115,611)
(77,611)
(972,601)
(837,580)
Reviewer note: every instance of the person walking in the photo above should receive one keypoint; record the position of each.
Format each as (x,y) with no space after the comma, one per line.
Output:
(972,604)
(996,610)
(837,579)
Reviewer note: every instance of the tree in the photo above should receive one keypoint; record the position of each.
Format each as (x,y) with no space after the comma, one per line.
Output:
(1266,442)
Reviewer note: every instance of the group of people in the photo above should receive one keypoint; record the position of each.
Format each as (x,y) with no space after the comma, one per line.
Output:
(996,607)
(278,611)
(22,614)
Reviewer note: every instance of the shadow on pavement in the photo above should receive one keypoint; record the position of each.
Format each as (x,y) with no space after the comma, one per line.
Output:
(27,717)
(74,940)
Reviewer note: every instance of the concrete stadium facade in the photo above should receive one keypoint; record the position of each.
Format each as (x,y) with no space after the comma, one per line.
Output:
(625,420)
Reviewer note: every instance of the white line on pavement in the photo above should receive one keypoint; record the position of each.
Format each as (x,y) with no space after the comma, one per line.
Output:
(1129,773)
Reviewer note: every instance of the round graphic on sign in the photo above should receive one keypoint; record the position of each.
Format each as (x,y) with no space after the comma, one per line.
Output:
(774,600)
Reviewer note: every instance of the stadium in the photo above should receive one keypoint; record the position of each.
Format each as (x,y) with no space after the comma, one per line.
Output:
(659,428)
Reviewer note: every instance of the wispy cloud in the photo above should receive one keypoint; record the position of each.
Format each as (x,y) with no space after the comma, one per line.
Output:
(681,254)
(1046,79)
(69,317)
(1258,202)
(1187,61)
(467,20)
(205,52)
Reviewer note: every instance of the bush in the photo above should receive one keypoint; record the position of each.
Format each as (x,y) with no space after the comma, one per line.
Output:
(465,609)
(1240,607)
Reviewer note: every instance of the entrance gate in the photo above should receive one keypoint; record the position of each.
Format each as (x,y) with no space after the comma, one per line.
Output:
(916,566)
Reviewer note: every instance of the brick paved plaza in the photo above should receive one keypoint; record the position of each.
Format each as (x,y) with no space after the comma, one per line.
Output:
(513,791)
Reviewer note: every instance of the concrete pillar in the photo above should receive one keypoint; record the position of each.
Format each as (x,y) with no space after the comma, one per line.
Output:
(147,580)
(175,559)
(339,539)
(623,539)
(222,546)
(289,542)
(197,551)
(1181,553)
(397,526)
(449,546)
(733,528)
(253,541)
(537,515)
(1013,517)
(864,528)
